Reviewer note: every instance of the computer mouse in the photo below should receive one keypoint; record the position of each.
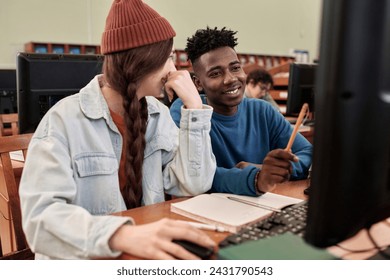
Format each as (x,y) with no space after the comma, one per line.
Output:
(200,251)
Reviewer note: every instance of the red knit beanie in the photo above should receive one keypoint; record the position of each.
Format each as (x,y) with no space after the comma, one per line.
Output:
(131,24)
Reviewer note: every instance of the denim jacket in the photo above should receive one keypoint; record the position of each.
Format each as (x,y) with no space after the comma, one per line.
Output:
(70,178)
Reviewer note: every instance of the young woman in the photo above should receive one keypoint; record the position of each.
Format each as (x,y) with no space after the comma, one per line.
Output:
(113,146)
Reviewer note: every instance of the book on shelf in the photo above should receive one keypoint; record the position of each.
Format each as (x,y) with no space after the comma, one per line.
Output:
(230,211)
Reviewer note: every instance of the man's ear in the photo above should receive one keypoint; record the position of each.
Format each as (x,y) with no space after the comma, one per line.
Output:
(197,83)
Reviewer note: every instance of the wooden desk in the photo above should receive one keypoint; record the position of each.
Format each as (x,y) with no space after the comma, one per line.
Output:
(380,231)
(155,212)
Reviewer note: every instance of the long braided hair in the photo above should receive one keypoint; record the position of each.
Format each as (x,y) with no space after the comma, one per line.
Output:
(124,71)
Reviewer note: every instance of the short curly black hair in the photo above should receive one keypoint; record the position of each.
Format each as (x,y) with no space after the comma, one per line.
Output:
(260,75)
(205,40)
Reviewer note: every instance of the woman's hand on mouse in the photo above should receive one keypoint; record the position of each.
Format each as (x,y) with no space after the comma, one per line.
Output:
(154,240)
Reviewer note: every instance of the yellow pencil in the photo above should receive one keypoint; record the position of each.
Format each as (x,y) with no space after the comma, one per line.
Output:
(302,113)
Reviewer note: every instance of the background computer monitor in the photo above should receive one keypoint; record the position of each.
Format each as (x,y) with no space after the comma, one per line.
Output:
(8,103)
(43,79)
(350,184)
(301,84)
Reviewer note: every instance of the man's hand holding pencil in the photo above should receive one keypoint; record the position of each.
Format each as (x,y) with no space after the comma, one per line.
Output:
(277,166)
(276,169)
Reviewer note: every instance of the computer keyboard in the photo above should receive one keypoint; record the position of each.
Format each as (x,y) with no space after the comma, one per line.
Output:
(290,219)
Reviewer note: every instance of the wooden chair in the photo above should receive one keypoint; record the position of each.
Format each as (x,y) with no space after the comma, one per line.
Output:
(7,177)
(11,119)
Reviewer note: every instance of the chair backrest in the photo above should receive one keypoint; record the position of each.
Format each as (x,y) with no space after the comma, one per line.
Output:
(11,119)
(11,144)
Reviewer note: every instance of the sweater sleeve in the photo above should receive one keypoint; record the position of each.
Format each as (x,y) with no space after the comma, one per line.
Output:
(235,180)
(303,150)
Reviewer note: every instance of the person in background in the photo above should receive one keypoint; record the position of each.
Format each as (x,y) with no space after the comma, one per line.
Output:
(113,146)
(258,84)
(248,135)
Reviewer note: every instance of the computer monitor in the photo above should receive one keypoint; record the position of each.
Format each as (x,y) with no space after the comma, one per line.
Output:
(350,183)
(8,103)
(301,84)
(44,79)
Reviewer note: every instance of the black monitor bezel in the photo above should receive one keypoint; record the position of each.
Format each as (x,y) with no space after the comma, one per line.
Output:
(43,78)
(8,100)
(301,87)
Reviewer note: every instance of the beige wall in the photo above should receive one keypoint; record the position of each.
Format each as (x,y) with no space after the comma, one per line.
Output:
(62,21)
(264,26)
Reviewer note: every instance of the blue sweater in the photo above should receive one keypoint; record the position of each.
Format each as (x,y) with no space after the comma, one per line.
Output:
(256,129)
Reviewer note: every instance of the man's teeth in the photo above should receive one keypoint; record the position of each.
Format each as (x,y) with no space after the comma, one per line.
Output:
(232,92)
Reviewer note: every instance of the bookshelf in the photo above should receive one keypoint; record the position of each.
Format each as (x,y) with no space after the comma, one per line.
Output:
(45,47)
(180,56)
(265,61)
(258,60)
(279,93)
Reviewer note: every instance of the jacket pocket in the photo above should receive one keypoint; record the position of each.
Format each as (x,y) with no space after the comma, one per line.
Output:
(91,164)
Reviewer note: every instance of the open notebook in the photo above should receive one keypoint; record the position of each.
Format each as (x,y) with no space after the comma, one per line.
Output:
(223,210)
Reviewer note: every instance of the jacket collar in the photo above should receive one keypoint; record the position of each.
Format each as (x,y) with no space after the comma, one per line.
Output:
(92,102)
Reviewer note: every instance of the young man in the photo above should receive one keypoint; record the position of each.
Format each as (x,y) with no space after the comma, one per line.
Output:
(248,135)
